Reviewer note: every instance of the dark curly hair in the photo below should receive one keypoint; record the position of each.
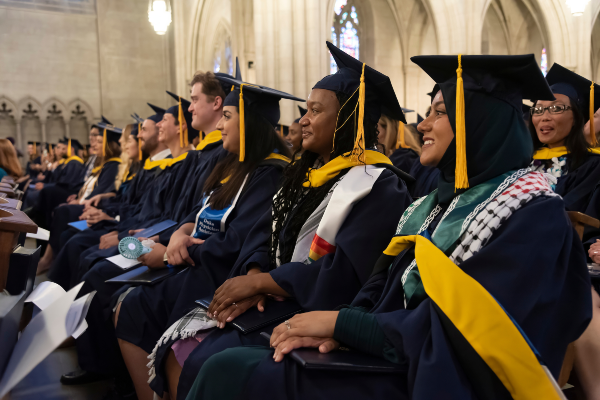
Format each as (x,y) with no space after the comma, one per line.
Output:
(295,203)
(575,142)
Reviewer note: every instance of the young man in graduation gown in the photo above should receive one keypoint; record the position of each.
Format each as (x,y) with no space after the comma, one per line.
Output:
(73,244)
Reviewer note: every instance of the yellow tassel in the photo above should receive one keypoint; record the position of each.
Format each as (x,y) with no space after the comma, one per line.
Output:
(69,149)
(104,143)
(183,139)
(242,126)
(400,142)
(358,153)
(461,178)
(139,142)
(592,128)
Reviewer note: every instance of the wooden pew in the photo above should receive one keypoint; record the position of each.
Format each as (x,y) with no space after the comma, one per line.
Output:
(12,223)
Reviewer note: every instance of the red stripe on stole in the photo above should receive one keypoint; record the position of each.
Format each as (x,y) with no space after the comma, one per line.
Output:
(320,247)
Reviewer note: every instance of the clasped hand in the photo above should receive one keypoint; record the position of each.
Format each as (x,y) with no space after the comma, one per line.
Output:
(177,250)
(594,252)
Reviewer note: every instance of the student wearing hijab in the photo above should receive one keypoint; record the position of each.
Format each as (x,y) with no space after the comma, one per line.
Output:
(294,138)
(455,300)
(306,248)
(102,180)
(560,146)
(237,193)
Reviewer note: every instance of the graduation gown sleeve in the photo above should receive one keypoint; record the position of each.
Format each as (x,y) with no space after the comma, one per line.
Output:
(577,186)
(106,179)
(335,278)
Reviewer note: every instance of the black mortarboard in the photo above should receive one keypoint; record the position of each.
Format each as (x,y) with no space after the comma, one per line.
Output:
(378,87)
(180,110)
(419,119)
(526,111)
(261,99)
(238,76)
(578,89)
(483,97)
(72,145)
(158,113)
(137,118)
(134,130)
(303,112)
(102,121)
(33,143)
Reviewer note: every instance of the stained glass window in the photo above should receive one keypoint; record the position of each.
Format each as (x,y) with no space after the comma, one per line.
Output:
(544,63)
(345,30)
(223,61)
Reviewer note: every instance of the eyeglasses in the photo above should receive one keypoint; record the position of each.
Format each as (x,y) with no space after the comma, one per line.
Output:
(556,109)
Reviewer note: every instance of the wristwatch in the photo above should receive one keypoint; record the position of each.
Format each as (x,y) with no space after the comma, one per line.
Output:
(165,259)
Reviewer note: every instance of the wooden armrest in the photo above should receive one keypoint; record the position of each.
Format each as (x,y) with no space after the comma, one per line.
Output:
(579,221)
(10,203)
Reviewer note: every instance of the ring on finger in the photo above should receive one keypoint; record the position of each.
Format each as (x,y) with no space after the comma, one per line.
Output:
(234,304)
(287,323)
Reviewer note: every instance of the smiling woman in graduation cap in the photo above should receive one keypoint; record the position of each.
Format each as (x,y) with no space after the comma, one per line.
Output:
(331,219)
(461,300)
(560,146)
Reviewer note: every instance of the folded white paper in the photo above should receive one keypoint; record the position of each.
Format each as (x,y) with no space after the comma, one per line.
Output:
(123,262)
(41,234)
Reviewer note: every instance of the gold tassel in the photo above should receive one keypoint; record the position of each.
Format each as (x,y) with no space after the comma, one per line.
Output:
(461,178)
(139,142)
(183,139)
(104,144)
(357,155)
(400,142)
(592,128)
(242,126)
(69,149)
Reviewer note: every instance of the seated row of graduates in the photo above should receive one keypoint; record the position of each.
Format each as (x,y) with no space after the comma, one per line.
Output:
(337,231)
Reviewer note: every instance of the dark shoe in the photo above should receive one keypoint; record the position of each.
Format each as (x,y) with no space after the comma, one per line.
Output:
(81,377)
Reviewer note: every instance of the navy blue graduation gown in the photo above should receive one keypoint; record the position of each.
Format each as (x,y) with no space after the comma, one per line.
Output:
(544,287)
(403,158)
(426,179)
(147,311)
(65,214)
(332,280)
(577,186)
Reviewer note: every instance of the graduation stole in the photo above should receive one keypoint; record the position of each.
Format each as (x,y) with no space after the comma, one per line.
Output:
(99,168)
(546,153)
(485,337)
(169,162)
(317,236)
(213,137)
(148,165)
(72,158)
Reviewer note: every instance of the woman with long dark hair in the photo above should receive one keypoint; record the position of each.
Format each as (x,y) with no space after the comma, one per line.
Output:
(328,222)
(455,307)
(560,146)
(236,194)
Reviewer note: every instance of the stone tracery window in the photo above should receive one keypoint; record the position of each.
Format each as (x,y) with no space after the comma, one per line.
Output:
(345,30)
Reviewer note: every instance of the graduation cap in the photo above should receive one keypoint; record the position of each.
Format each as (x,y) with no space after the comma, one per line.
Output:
(137,118)
(303,112)
(400,141)
(238,76)
(110,134)
(374,89)
(508,78)
(261,99)
(180,111)
(73,146)
(583,91)
(526,111)
(104,120)
(158,113)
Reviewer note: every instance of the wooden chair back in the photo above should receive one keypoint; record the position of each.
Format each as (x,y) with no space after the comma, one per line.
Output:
(12,223)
